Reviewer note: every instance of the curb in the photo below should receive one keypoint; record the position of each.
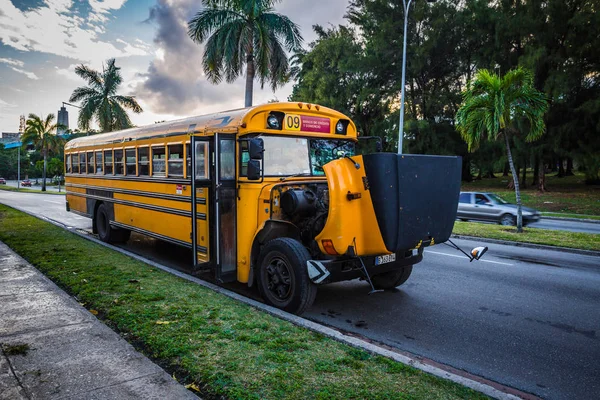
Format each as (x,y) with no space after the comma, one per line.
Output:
(338,336)
(582,252)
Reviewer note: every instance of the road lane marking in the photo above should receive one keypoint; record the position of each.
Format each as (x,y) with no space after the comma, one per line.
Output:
(464,257)
(55,202)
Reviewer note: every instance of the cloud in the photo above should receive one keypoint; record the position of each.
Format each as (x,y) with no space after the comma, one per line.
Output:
(12,61)
(174,82)
(4,104)
(55,28)
(28,74)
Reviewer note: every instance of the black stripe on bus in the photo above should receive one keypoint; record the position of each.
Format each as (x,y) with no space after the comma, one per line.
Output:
(201,249)
(185,199)
(131,178)
(188,214)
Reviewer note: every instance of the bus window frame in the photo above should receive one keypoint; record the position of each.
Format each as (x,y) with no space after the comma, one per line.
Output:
(82,154)
(88,164)
(101,153)
(122,150)
(148,162)
(68,164)
(164,148)
(168,160)
(112,161)
(125,149)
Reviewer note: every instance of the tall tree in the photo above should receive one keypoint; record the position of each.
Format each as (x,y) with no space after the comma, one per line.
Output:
(42,133)
(245,32)
(100,100)
(495,107)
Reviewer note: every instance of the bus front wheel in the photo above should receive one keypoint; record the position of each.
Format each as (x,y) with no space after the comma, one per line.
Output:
(283,279)
(107,233)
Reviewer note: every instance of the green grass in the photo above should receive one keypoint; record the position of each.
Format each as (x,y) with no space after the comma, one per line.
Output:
(565,195)
(576,240)
(226,348)
(14,189)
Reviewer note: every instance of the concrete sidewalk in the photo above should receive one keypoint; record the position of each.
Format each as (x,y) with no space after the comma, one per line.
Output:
(53,348)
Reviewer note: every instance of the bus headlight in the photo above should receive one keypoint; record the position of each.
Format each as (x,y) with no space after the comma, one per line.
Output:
(273,122)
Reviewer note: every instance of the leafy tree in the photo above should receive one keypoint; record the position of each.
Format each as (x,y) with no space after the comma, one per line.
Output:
(42,133)
(495,106)
(245,32)
(100,101)
(331,74)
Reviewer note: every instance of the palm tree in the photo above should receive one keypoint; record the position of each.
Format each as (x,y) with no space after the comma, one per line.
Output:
(42,133)
(100,100)
(239,32)
(495,106)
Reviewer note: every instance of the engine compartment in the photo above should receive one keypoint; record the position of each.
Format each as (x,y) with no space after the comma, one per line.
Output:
(306,205)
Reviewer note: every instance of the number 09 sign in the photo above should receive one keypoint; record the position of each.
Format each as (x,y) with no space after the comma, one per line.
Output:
(294,122)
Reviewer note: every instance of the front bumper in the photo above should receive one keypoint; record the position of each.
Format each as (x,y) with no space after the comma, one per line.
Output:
(347,268)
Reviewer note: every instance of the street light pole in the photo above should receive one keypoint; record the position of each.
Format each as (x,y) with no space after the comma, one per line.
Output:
(19,166)
(401,127)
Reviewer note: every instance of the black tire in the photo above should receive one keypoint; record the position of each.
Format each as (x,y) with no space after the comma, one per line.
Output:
(283,280)
(107,233)
(391,279)
(508,220)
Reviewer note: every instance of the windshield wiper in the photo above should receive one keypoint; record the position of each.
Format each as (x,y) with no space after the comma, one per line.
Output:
(283,178)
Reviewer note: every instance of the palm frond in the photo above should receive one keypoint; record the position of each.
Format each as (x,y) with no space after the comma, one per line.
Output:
(92,77)
(128,102)
(120,118)
(83,92)
(112,78)
(208,20)
(282,27)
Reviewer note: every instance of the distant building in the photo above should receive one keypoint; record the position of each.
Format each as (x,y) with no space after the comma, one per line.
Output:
(63,119)
(22,124)
(8,137)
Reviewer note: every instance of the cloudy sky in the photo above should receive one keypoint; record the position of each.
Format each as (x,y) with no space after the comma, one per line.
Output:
(41,42)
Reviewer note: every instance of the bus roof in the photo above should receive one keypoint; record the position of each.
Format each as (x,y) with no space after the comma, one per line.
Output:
(241,120)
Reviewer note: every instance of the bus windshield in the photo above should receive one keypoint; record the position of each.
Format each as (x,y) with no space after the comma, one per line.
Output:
(285,156)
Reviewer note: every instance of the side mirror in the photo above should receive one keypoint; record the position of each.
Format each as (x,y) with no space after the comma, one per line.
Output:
(254,170)
(256,148)
(478,252)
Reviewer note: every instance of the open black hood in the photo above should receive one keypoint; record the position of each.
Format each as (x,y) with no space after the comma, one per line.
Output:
(415,197)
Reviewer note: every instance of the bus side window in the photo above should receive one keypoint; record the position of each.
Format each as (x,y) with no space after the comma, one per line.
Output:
(69,166)
(245,157)
(143,161)
(227,159)
(201,158)
(108,162)
(175,160)
(158,161)
(119,170)
(82,163)
(130,161)
(99,162)
(90,162)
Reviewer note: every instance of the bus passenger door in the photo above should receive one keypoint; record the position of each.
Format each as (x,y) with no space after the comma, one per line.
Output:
(199,169)
(225,208)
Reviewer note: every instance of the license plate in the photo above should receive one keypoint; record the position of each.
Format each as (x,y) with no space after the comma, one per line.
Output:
(388,258)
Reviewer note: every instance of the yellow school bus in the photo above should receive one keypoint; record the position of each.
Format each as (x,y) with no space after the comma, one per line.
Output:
(274,195)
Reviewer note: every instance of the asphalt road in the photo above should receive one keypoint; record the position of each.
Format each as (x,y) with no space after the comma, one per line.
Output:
(526,318)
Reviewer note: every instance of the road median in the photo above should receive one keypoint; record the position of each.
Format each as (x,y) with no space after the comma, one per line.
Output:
(221,346)
(546,237)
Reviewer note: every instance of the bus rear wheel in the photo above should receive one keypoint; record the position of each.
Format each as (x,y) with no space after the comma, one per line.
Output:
(283,279)
(391,279)
(107,233)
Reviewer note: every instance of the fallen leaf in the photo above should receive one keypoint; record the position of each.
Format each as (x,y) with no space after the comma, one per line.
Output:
(193,387)
(116,301)
(163,322)
(84,280)
(94,312)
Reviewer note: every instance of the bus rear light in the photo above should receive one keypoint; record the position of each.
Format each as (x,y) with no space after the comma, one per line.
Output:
(328,247)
